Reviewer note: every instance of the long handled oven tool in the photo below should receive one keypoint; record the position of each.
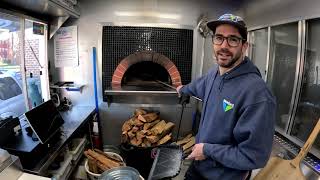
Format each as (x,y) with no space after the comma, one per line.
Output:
(172,87)
(183,100)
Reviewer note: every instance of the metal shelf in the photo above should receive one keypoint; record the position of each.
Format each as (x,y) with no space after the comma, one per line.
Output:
(144,94)
(68,87)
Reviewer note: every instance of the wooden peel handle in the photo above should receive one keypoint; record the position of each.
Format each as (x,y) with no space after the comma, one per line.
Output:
(305,149)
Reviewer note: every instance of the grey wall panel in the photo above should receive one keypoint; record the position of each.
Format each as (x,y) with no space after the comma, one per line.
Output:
(262,13)
(112,119)
(209,59)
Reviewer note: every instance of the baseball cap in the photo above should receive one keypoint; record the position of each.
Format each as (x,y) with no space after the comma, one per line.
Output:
(231,19)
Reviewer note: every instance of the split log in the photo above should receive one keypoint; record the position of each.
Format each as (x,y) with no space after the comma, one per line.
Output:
(131,134)
(134,141)
(158,128)
(131,121)
(126,126)
(135,129)
(184,140)
(99,161)
(147,142)
(167,128)
(96,166)
(137,122)
(139,111)
(147,126)
(102,159)
(188,151)
(140,135)
(143,145)
(148,117)
(189,144)
(124,137)
(114,158)
(165,139)
(153,139)
(93,167)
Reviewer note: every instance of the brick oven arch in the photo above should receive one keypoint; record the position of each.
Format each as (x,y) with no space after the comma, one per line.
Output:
(146,56)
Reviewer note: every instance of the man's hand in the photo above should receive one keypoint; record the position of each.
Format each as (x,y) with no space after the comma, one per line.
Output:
(197,152)
(178,89)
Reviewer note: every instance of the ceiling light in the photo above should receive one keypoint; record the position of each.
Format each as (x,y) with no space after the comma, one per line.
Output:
(148,14)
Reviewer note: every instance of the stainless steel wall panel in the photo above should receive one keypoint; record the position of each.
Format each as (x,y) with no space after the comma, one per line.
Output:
(298,74)
(259,13)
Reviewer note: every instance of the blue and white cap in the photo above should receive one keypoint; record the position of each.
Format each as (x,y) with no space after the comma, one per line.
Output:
(231,19)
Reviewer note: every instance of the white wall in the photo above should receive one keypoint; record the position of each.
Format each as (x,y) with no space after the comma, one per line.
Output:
(93,13)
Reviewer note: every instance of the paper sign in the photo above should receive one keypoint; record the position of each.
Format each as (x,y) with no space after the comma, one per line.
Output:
(66,47)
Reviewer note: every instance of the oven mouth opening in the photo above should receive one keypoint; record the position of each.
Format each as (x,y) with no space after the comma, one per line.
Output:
(146,74)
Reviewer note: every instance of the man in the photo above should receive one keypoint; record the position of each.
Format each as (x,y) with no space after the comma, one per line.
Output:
(237,125)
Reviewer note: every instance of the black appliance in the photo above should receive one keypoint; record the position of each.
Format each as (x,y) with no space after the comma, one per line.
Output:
(45,120)
(9,127)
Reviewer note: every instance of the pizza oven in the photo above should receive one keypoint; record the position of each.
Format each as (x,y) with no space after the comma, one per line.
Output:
(145,64)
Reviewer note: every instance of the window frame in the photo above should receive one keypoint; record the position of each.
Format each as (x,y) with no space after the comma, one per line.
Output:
(45,72)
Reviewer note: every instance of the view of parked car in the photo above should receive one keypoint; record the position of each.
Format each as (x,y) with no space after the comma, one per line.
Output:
(11,96)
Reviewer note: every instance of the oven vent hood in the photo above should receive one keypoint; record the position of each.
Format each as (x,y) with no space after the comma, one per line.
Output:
(55,12)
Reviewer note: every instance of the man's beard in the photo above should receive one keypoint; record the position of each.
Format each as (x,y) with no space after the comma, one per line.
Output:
(230,62)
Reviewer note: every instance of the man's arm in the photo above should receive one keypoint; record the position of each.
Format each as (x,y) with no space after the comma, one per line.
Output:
(195,88)
(254,133)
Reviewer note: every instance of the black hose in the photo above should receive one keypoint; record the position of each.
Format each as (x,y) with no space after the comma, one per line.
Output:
(184,99)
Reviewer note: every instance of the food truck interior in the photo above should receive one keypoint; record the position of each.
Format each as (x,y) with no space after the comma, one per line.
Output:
(88,88)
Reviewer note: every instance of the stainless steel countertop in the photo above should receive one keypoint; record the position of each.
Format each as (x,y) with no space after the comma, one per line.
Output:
(74,118)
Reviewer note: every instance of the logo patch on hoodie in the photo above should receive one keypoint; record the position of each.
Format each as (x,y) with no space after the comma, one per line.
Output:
(227,105)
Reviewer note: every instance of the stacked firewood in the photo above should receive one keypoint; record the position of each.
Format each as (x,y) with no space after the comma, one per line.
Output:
(187,144)
(99,161)
(145,129)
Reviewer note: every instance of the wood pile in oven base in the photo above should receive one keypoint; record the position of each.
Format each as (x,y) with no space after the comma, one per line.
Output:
(146,129)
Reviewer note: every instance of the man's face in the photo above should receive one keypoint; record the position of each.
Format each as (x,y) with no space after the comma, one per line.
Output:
(227,56)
